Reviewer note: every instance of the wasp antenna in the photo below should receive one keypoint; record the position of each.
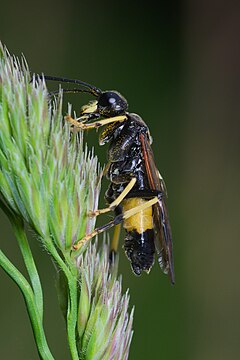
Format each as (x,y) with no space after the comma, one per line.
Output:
(69,91)
(92,89)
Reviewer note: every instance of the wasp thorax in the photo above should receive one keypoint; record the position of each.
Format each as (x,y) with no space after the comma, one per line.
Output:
(111,103)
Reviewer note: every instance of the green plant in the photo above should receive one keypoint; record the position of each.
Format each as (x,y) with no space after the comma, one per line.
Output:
(50,182)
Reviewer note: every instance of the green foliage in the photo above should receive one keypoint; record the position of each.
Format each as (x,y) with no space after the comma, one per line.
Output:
(50,182)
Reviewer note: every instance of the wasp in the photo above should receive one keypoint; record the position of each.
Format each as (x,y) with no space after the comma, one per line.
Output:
(136,192)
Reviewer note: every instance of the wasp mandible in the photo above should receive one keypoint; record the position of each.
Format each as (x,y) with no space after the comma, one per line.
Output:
(136,192)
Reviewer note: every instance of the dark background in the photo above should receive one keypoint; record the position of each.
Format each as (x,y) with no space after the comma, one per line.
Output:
(177,63)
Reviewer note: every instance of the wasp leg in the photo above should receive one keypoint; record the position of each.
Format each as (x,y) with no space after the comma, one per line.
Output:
(115,239)
(117,201)
(91,107)
(118,220)
(86,117)
(95,124)
(106,167)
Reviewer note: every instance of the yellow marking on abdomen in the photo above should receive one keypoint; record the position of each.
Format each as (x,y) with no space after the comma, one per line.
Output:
(141,221)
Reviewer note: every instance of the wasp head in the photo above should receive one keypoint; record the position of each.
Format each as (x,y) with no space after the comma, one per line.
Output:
(111,103)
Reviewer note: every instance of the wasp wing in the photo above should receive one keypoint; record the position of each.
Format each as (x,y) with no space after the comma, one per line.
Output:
(163,241)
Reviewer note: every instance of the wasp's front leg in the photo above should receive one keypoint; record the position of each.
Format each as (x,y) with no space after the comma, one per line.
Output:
(78,122)
(87,117)
(96,124)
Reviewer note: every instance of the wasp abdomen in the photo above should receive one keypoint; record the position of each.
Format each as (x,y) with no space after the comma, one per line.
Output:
(141,221)
(139,241)
(140,250)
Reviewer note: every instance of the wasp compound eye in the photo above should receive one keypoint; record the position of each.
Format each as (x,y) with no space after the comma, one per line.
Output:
(111,103)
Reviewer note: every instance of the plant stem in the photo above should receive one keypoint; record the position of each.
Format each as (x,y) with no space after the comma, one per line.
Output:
(71,275)
(18,228)
(69,270)
(25,287)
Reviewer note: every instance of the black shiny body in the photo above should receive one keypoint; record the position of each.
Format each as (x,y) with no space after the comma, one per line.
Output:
(125,162)
(129,156)
(125,156)
(140,250)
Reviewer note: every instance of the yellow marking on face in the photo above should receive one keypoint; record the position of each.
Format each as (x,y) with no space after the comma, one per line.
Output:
(141,221)
(91,107)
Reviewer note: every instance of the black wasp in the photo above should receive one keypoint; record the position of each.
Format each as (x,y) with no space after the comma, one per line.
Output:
(136,192)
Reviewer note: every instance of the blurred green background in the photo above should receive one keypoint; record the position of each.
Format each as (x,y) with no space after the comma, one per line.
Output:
(177,63)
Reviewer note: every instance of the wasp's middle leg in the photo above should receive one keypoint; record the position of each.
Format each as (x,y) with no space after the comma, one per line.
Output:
(115,240)
(117,220)
(117,201)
